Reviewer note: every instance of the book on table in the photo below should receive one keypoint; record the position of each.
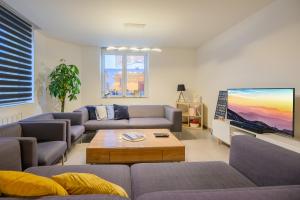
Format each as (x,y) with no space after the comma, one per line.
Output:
(133,137)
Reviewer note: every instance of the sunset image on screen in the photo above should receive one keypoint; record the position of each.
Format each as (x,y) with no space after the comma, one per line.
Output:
(273,107)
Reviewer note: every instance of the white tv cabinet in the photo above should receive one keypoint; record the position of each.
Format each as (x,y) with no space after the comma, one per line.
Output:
(223,131)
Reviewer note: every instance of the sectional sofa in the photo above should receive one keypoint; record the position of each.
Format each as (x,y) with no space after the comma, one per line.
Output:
(257,170)
(140,116)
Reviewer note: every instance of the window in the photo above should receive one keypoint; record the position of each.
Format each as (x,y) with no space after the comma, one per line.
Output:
(16,66)
(124,74)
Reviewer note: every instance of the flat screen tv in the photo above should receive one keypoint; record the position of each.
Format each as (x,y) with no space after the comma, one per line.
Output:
(262,110)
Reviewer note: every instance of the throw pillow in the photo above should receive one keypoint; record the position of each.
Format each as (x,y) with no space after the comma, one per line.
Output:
(92,112)
(22,184)
(101,112)
(121,112)
(110,112)
(85,183)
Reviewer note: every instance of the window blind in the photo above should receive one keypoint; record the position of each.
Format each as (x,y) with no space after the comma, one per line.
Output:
(16,66)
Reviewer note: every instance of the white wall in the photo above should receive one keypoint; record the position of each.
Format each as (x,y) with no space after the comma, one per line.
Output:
(262,51)
(47,54)
(166,70)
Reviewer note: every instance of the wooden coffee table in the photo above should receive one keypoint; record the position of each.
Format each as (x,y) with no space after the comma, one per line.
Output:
(108,147)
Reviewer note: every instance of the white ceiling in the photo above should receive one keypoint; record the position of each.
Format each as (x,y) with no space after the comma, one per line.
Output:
(169,23)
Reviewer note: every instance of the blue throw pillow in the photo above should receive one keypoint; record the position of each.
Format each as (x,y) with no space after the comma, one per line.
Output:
(110,112)
(92,112)
(121,112)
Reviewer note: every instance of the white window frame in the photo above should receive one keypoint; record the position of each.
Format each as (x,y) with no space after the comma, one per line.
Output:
(124,55)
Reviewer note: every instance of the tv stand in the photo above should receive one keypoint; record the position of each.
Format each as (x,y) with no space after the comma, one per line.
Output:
(223,131)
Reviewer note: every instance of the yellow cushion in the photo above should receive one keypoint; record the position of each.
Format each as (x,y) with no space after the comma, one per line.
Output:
(84,183)
(22,184)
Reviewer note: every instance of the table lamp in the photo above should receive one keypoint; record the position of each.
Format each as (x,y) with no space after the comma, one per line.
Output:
(180,88)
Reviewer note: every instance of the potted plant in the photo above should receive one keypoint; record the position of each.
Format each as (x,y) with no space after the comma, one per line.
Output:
(194,123)
(64,83)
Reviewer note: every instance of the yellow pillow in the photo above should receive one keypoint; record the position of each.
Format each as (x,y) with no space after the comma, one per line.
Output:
(84,183)
(22,184)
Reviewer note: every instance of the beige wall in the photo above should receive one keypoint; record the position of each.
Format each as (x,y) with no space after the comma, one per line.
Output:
(166,70)
(262,51)
(48,52)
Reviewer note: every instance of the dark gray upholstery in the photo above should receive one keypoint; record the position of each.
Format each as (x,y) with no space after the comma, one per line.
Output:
(29,152)
(140,116)
(145,111)
(258,193)
(152,177)
(119,174)
(51,152)
(92,125)
(44,130)
(264,163)
(76,118)
(150,123)
(71,119)
(10,154)
(42,142)
(76,132)
(174,115)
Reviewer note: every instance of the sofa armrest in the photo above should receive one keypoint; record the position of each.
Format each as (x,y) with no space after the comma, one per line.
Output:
(52,130)
(10,154)
(85,113)
(175,116)
(74,117)
(265,164)
(29,155)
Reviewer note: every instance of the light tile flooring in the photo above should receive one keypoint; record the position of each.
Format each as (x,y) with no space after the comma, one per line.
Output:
(200,146)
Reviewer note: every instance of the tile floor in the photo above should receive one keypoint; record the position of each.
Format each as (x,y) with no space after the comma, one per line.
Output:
(200,146)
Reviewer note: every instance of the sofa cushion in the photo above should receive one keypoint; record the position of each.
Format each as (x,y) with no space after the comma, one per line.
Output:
(255,193)
(50,152)
(136,111)
(153,177)
(149,123)
(121,112)
(72,197)
(93,125)
(118,174)
(76,132)
(92,112)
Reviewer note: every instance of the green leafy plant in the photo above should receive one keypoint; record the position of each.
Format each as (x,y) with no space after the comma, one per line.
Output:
(64,83)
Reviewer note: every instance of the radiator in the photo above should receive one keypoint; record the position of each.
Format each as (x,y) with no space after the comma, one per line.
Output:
(10,118)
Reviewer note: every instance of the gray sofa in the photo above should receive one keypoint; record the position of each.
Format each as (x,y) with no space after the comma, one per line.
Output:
(40,143)
(140,116)
(74,128)
(257,170)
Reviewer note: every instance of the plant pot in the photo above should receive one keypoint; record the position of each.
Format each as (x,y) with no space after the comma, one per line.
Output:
(193,125)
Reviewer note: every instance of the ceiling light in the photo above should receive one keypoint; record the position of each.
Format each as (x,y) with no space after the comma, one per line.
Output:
(122,48)
(111,48)
(145,49)
(156,50)
(134,49)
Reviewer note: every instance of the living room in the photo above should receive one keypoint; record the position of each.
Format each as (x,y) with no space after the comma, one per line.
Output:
(160,67)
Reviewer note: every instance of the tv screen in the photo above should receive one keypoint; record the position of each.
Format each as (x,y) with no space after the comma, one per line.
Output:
(267,109)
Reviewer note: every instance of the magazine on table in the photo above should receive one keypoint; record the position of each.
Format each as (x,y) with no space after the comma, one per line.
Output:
(133,137)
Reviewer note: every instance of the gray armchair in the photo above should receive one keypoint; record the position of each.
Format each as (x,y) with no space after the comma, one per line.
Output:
(74,124)
(40,143)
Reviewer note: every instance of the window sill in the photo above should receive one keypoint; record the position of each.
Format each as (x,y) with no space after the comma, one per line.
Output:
(124,97)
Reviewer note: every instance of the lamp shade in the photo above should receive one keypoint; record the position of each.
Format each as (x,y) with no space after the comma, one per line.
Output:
(180,87)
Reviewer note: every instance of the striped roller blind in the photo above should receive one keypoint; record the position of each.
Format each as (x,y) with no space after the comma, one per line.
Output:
(16,66)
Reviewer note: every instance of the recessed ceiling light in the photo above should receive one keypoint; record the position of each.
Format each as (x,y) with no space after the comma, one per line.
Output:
(145,49)
(122,48)
(156,50)
(111,48)
(134,25)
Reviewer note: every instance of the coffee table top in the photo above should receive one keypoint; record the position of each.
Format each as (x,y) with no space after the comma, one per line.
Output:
(112,139)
